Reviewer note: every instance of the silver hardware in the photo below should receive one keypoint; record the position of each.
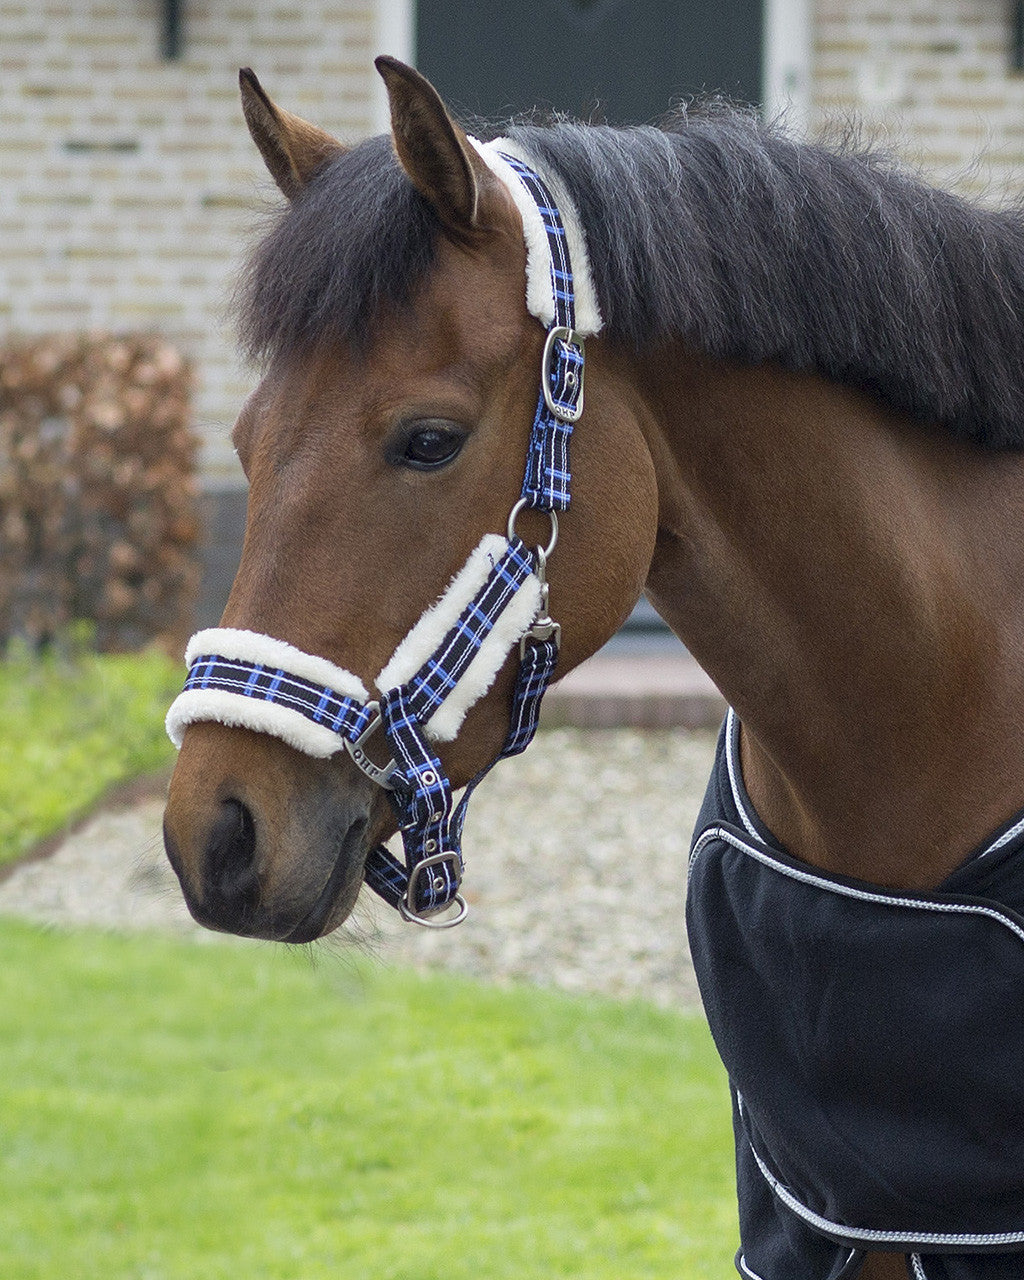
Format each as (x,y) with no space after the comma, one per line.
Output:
(543,627)
(406,908)
(560,333)
(428,778)
(430,845)
(381,774)
(542,552)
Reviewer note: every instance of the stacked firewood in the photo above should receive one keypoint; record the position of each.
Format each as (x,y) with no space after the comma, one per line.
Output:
(99,500)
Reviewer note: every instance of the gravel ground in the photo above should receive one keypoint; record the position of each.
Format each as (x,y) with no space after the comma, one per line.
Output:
(576,858)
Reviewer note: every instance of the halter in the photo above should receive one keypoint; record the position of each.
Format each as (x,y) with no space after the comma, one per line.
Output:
(452,654)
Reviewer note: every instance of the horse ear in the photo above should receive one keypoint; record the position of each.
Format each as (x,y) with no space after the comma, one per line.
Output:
(432,149)
(292,148)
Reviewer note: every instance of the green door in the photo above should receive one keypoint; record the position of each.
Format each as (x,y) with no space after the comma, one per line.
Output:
(620,61)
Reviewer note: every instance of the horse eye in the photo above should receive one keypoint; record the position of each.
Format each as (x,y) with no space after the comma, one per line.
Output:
(431,444)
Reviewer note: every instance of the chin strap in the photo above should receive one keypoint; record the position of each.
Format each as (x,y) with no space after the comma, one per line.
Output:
(452,655)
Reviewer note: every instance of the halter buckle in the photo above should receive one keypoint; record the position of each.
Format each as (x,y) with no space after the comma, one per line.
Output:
(380,774)
(408,911)
(562,411)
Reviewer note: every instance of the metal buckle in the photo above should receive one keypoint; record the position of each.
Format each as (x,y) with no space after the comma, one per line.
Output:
(561,333)
(381,774)
(408,911)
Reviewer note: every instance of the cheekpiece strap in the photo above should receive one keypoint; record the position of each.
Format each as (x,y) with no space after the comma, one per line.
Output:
(431,827)
(546,482)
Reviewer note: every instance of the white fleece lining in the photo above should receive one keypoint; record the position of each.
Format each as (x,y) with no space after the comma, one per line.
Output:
(478,677)
(253,646)
(239,712)
(539,297)
(413,650)
(432,627)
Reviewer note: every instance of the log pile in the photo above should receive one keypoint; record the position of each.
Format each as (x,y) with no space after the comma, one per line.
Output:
(99,499)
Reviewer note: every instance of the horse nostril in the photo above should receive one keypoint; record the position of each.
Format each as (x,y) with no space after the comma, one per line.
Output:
(231,857)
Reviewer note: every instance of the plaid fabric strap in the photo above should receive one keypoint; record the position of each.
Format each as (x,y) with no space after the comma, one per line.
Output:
(430,824)
(438,676)
(546,482)
(261,682)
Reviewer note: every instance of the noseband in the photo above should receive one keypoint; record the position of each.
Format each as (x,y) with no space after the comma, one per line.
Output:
(452,654)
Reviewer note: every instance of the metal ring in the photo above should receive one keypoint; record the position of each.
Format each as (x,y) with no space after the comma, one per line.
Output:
(543,552)
(408,911)
(448,922)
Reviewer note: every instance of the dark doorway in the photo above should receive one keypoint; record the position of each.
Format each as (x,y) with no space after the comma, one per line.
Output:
(615,61)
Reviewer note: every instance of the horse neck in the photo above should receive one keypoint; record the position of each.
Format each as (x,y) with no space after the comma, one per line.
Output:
(853,584)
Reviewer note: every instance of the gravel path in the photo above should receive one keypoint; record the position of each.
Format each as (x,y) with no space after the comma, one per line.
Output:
(576,857)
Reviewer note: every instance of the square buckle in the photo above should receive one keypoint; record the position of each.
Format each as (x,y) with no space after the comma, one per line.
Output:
(408,911)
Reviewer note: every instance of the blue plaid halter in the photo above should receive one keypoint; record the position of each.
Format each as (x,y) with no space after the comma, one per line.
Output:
(430,822)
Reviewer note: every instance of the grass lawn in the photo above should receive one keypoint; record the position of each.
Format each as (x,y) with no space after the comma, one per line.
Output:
(70,727)
(174,1110)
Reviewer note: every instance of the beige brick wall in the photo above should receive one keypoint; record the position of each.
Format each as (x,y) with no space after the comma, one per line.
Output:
(128,183)
(932,79)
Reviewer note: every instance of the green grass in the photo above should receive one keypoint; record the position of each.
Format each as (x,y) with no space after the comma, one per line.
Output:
(170,1110)
(71,725)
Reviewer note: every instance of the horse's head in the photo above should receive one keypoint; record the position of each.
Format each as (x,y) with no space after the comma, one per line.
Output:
(377,459)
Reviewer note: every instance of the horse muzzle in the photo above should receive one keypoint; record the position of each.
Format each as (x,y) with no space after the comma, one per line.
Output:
(256,853)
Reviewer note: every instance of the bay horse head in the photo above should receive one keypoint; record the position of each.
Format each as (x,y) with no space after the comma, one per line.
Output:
(386,441)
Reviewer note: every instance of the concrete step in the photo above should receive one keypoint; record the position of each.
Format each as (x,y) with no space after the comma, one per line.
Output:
(638,690)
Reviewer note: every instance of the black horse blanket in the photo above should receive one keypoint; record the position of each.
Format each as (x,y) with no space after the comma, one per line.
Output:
(873,1041)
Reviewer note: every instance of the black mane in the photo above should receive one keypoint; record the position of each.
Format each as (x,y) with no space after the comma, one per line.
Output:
(714,230)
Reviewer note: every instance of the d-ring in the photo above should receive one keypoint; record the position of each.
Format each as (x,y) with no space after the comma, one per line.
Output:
(406,907)
(521,505)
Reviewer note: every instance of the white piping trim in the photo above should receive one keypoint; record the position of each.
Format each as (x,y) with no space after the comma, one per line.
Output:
(849,891)
(1004,839)
(539,299)
(862,1234)
(733,765)
(737,787)
(746,1270)
(918,1266)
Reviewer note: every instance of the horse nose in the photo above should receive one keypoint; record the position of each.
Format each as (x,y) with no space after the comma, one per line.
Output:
(266,843)
(222,888)
(232,886)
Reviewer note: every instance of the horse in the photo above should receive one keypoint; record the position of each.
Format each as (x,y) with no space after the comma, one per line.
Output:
(802,438)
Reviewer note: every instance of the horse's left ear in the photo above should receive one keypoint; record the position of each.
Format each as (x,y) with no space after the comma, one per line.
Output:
(435,153)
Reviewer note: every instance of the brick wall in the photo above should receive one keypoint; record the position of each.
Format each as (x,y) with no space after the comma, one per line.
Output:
(931,78)
(128,183)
